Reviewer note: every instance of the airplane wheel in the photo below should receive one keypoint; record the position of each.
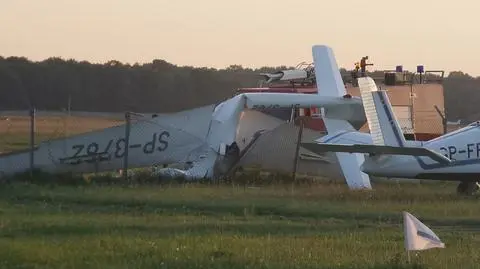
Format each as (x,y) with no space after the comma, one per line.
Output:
(467,188)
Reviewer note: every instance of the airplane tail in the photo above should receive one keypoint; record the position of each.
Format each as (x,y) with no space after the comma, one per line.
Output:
(387,137)
(330,84)
(383,124)
(327,75)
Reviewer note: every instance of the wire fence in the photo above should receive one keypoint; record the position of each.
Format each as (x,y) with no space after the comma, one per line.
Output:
(59,141)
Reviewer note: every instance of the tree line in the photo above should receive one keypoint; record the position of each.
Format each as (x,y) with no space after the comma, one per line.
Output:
(158,86)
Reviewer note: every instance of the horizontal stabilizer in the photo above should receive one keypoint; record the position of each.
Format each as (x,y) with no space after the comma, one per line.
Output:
(377,149)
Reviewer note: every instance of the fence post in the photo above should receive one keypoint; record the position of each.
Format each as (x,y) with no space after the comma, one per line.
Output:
(444,118)
(32,140)
(127,144)
(297,150)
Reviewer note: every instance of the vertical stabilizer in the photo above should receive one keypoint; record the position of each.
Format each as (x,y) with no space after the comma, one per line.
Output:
(383,124)
(328,78)
(330,83)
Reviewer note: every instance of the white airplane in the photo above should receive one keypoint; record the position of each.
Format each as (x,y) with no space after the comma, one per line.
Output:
(454,156)
(204,138)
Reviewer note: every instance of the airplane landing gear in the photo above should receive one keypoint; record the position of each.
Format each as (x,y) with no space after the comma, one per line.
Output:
(468,187)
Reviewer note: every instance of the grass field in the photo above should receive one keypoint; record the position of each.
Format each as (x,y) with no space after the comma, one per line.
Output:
(321,226)
(15,130)
(199,226)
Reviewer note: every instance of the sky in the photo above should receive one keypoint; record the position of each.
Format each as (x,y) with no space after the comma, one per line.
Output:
(441,35)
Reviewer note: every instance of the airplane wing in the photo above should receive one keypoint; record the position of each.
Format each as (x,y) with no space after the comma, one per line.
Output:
(376,149)
(160,140)
(288,100)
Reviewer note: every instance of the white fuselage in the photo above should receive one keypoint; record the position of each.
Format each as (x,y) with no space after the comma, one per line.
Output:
(461,146)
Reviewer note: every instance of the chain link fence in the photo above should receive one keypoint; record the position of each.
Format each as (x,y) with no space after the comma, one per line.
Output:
(429,122)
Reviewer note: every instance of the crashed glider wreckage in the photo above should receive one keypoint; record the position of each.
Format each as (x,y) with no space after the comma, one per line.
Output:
(202,137)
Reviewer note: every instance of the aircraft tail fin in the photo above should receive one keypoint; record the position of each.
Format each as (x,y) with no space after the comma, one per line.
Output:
(327,75)
(383,124)
(330,83)
(387,137)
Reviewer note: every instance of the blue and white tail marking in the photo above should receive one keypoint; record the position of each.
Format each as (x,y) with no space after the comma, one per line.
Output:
(379,110)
